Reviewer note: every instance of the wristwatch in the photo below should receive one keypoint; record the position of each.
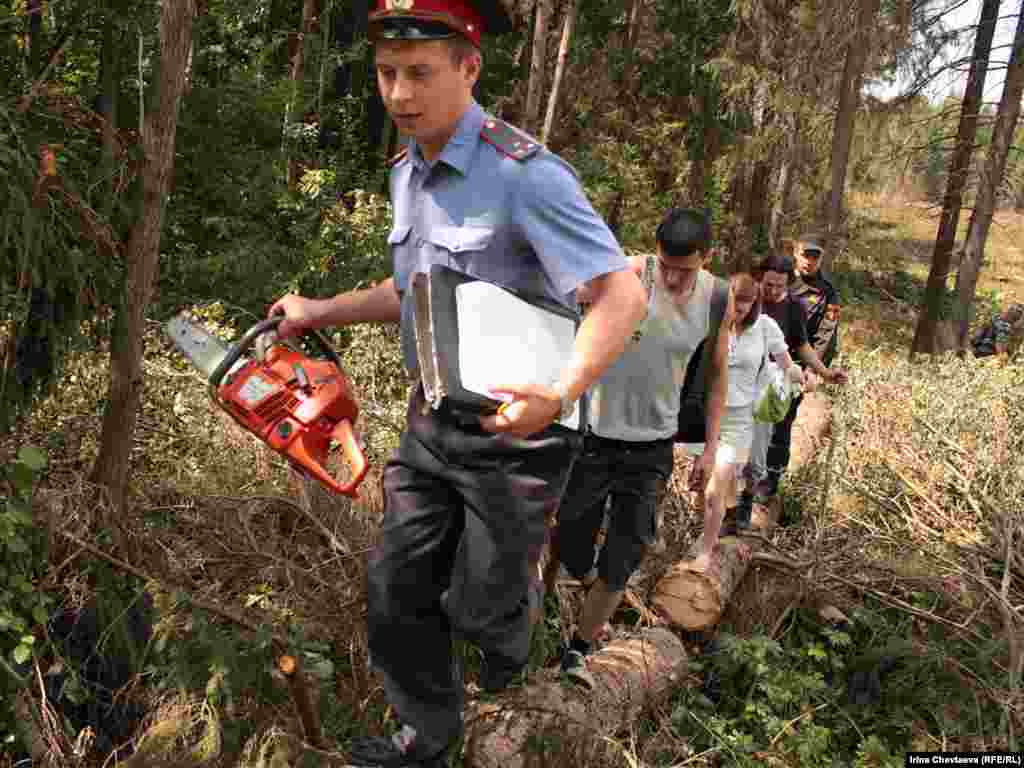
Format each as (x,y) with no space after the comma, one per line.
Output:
(568,407)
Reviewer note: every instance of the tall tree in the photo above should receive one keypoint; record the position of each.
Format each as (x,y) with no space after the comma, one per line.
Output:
(784,183)
(925,336)
(109,98)
(143,250)
(988,189)
(300,46)
(850,84)
(556,83)
(538,63)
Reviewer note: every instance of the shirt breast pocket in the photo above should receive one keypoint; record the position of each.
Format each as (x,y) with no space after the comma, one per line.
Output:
(461,247)
(403,259)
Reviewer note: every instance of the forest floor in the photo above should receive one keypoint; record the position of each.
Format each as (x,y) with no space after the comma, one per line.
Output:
(907,517)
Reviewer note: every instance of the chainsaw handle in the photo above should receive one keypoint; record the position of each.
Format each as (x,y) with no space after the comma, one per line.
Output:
(263,326)
(346,436)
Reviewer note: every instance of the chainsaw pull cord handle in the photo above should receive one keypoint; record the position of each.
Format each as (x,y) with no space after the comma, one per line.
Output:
(346,437)
(246,342)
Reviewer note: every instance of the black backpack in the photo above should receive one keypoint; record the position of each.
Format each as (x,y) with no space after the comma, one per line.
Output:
(693,395)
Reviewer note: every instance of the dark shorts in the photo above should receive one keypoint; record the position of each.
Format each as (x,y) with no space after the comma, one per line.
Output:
(633,476)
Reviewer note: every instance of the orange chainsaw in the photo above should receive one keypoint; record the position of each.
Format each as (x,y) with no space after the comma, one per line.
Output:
(297,404)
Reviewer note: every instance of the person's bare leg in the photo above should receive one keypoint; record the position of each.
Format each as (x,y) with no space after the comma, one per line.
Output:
(599,606)
(714,511)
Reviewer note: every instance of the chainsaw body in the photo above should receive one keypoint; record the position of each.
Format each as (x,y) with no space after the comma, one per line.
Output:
(296,404)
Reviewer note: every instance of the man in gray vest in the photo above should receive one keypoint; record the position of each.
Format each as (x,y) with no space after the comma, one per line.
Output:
(467,499)
(627,454)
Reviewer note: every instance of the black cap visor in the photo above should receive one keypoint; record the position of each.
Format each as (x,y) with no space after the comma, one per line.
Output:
(405,28)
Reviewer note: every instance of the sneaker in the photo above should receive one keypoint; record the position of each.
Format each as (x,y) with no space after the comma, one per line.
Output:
(497,673)
(574,667)
(380,752)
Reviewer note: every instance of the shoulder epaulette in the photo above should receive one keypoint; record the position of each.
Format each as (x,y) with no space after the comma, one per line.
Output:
(509,140)
(396,159)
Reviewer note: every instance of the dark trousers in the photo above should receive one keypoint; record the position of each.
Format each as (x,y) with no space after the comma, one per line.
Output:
(633,476)
(777,459)
(464,520)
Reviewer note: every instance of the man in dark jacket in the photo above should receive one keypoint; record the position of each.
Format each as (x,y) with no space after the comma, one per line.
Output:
(817,297)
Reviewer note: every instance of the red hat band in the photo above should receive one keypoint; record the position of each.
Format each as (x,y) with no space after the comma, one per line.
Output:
(460,15)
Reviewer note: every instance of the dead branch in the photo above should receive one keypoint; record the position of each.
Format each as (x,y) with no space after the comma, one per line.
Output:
(28,98)
(222,611)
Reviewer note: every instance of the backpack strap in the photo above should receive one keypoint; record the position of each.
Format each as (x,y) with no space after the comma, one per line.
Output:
(647,278)
(719,301)
(398,157)
(764,343)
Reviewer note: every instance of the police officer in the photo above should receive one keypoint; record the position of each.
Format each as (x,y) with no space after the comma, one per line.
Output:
(466,502)
(817,297)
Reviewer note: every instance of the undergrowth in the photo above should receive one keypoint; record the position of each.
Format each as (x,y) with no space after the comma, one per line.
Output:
(911,532)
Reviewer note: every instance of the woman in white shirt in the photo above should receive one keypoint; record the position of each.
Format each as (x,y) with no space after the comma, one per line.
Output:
(752,337)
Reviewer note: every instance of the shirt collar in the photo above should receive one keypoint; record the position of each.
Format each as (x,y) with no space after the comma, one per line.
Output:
(458,152)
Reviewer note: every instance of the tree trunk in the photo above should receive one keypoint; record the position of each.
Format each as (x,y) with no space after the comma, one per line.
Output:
(143,252)
(959,165)
(704,150)
(297,77)
(755,210)
(325,47)
(757,199)
(846,116)
(109,92)
(988,189)
(693,601)
(556,85)
(551,723)
(544,12)
(784,186)
(629,44)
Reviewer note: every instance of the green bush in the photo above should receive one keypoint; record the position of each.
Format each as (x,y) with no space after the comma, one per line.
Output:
(22,558)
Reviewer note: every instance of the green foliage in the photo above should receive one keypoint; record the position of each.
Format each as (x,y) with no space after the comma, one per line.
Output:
(234,230)
(41,251)
(216,662)
(790,697)
(22,557)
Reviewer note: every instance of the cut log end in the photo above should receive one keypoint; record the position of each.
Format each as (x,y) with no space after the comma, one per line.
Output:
(687,598)
(694,600)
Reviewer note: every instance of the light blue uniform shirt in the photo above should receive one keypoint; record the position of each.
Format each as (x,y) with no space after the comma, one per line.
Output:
(523,224)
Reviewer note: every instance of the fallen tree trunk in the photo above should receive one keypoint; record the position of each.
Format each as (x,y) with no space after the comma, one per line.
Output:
(695,601)
(552,718)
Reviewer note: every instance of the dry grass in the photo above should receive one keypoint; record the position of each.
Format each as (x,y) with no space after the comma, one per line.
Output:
(893,235)
(219,519)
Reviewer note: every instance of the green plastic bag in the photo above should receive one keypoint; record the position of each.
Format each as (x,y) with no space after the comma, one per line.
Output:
(775,399)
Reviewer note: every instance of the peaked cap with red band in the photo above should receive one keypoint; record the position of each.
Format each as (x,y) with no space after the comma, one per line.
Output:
(438,19)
